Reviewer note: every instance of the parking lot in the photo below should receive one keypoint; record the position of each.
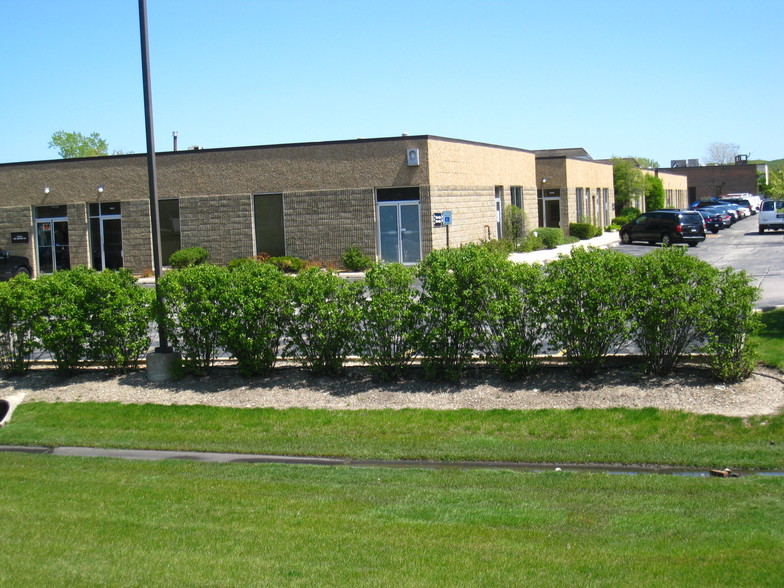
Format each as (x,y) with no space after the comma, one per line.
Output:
(741,247)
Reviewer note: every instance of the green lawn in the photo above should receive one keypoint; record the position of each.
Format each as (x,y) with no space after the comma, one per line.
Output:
(770,339)
(89,522)
(642,436)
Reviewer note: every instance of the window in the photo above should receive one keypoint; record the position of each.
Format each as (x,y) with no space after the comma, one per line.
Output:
(516,196)
(579,199)
(169,224)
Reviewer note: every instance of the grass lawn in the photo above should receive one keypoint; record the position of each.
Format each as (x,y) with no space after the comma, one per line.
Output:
(640,436)
(87,522)
(770,339)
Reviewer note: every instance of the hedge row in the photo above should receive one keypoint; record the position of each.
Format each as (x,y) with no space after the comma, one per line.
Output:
(456,307)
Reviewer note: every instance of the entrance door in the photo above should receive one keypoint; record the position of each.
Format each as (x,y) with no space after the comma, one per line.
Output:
(552,212)
(106,236)
(268,218)
(399,232)
(52,243)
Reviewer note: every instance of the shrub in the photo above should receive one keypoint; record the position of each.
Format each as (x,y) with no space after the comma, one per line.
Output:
(730,325)
(589,303)
(63,327)
(514,223)
(532,242)
(551,237)
(501,246)
(19,310)
(515,315)
(619,221)
(255,309)
(355,260)
(322,331)
(584,230)
(288,264)
(612,227)
(630,212)
(192,313)
(654,193)
(119,312)
(188,257)
(671,293)
(455,283)
(387,322)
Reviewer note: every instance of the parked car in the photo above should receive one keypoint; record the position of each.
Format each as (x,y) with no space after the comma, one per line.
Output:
(745,203)
(771,215)
(665,227)
(713,219)
(743,210)
(13,265)
(721,214)
(731,210)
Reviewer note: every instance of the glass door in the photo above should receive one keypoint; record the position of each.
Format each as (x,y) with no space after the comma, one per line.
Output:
(399,232)
(106,236)
(52,244)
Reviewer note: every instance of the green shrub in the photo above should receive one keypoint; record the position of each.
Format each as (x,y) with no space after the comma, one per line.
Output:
(531,242)
(731,324)
(119,312)
(584,230)
(630,212)
(288,264)
(589,304)
(192,314)
(501,246)
(188,257)
(63,327)
(612,227)
(551,237)
(19,310)
(455,283)
(356,261)
(514,224)
(387,323)
(515,317)
(672,291)
(255,309)
(619,221)
(654,193)
(322,331)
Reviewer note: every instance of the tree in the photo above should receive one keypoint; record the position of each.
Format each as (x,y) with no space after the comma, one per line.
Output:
(654,193)
(628,181)
(775,189)
(646,162)
(721,153)
(75,144)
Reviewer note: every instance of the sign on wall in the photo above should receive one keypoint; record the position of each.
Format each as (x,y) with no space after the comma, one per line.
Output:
(20,238)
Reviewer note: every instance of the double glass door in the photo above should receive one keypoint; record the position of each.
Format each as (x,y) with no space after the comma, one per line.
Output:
(106,236)
(399,232)
(52,243)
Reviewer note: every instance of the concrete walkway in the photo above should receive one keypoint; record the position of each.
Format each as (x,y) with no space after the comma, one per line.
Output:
(544,255)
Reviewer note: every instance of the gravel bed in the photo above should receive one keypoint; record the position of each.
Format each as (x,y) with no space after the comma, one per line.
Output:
(690,389)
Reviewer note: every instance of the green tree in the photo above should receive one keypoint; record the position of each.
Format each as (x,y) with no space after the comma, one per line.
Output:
(75,144)
(654,193)
(628,181)
(645,162)
(775,189)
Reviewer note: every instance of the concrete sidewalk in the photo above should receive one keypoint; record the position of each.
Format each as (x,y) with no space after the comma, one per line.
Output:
(544,255)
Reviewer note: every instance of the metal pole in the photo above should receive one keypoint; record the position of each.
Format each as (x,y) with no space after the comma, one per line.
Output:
(151,170)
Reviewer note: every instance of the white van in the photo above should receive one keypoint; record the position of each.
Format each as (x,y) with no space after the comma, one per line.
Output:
(771,215)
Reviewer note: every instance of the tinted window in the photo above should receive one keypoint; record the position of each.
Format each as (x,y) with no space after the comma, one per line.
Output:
(691,219)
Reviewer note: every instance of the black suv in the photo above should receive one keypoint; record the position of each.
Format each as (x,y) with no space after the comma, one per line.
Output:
(665,227)
(13,265)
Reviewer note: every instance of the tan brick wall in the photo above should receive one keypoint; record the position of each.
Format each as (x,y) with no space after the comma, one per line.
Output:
(18,219)
(321,225)
(78,235)
(137,236)
(205,222)
(675,189)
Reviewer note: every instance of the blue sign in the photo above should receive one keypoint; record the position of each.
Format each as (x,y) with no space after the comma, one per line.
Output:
(447,217)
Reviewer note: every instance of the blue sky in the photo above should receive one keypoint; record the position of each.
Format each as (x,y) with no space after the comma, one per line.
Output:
(660,79)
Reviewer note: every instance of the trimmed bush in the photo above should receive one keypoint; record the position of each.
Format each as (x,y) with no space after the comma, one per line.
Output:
(590,300)
(551,237)
(19,310)
(455,285)
(387,324)
(321,333)
(731,323)
(630,212)
(188,257)
(192,314)
(356,261)
(584,230)
(531,242)
(515,314)
(514,223)
(119,311)
(672,291)
(255,310)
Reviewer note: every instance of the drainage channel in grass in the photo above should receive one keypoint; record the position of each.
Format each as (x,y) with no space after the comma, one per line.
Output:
(156,455)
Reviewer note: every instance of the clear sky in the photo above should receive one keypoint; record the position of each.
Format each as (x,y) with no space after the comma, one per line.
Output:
(659,79)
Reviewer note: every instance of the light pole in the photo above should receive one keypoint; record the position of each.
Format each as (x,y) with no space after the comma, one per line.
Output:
(544,208)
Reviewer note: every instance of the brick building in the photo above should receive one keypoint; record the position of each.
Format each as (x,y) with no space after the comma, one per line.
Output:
(708,181)
(310,200)
(572,187)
